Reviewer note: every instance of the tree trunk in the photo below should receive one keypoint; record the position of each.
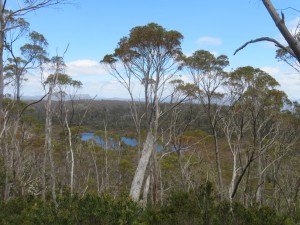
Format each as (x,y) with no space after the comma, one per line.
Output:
(72,156)
(234,175)
(138,179)
(48,146)
(2,26)
(146,190)
(106,179)
(8,163)
(261,180)
(218,162)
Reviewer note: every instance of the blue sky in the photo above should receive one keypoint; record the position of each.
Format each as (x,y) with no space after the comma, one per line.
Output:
(94,27)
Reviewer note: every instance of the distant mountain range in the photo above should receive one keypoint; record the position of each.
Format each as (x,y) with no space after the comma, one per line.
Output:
(69,97)
(85,97)
(55,98)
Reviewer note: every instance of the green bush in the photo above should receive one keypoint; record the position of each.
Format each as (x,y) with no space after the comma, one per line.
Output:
(200,207)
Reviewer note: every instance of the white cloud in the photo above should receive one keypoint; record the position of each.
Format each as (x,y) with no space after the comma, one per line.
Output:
(109,89)
(87,71)
(206,40)
(33,86)
(274,71)
(288,79)
(85,67)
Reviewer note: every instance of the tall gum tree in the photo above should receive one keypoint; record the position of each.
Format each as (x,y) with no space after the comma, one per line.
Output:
(148,57)
(207,73)
(61,83)
(57,65)
(33,55)
(252,127)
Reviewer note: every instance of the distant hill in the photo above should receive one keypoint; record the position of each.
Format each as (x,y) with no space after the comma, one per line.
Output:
(55,98)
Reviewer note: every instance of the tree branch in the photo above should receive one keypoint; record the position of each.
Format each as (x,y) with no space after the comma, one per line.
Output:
(39,5)
(289,8)
(277,44)
(41,99)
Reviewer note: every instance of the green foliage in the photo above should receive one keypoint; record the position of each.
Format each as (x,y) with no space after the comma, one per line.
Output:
(143,38)
(205,62)
(184,208)
(180,208)
(62,79)
(90,209)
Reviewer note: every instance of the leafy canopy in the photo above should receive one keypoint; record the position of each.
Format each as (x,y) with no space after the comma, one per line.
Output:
(150,41)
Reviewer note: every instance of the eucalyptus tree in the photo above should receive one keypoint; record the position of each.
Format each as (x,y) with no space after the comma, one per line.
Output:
(57,66)
(62,84)
(12,19)
(147,57)
(265,103)
(33,55)
(252,126)
(207,73)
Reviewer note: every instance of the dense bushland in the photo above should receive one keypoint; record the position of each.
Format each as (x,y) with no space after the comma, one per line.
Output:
(182,208)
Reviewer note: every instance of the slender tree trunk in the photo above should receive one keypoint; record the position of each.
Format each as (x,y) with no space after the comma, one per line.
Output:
(154,154)
(261,180)
(72,157)
(146,190)
(106,186)
(94,157)
(48,146)
(44,185)
(8,169)
(17,155)
(233,178)
(2,27)
(18,83)
(218,162)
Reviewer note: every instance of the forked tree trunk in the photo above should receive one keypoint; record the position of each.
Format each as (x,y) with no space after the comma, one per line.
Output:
(136,185)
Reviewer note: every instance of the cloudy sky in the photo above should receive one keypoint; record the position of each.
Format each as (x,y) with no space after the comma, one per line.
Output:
(92,28)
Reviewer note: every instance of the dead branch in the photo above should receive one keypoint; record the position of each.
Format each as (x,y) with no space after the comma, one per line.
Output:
(277,44)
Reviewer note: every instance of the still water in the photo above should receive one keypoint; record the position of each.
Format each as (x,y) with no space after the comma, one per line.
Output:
(112,143)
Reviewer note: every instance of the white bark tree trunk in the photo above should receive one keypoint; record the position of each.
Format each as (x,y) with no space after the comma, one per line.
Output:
(138,179)
(234,175)
(72,156)
(48,148)
(146,190)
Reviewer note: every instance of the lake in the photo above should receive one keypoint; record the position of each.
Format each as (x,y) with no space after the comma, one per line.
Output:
(112,143)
